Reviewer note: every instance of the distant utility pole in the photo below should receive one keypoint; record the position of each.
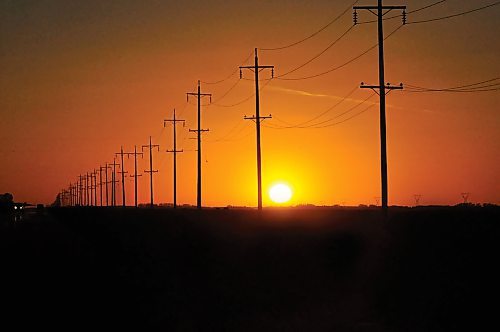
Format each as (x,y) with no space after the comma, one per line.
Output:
(91,188)
(199,131)
(417,199)
(382,87)
(100,183)
(135,175)
(151,170)
(106,167)
(122,172)
(175,151)
(113,182)
(87,189)
(465,197)
(94,175)
(80,189)
(257,118)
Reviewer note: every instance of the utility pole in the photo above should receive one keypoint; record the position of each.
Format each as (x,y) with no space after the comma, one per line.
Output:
(80,188)
(100,184)
(106,167)
(199,131)
(151,171)
(382,87)
(87,189)
(175,151)
(113,182)
(123,175)
(257,118)
(94,175)
(135,175)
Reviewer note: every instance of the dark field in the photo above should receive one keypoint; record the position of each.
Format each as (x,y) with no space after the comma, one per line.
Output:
(316,269)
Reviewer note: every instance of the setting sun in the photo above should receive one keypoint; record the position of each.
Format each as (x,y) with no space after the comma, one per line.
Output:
(280,193)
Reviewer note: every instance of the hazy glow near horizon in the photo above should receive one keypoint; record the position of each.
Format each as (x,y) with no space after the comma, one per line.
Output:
(280,193)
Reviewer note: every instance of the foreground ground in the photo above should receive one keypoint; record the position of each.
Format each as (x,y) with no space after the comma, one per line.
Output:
(316,269)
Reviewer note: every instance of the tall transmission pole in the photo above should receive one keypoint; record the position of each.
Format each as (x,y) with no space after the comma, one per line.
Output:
(122,172)
(135,175)
(257,118)
(199,131)
(151,170)
(113,182)
(175,151)
(380,11)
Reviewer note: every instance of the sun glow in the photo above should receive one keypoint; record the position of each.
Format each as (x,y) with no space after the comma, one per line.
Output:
(280,193)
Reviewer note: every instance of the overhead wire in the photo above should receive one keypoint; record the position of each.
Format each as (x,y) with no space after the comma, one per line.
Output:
(313,34)
(339,66)
(455,15)
(400,15)
(317,55)
(230,75)
(246,99)
(318,125)
(473,87)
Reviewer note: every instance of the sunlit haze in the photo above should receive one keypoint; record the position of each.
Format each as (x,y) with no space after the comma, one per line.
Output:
(80,79)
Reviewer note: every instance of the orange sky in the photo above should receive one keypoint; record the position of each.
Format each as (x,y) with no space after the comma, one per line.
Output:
(78,80)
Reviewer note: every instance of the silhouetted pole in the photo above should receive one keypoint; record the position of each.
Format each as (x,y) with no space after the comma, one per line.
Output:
(256,68)
(199,131)
(121,153)
(80,185)
(382,87)
(135,175)
(100,183)
(151,171)
(87,189)
(106,167)
(95,186)
(175,151)
(113,183)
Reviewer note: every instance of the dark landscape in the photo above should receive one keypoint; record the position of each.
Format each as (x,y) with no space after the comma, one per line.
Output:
(290,269)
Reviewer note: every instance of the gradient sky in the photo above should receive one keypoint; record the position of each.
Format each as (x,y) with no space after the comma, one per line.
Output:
(79,79)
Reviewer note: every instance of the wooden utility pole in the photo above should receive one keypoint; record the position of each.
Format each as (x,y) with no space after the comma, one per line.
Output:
(257,118)
(175,151)
(199,131)
(113,182)
(380,11)
(122,172)
(151,170)
(135,175)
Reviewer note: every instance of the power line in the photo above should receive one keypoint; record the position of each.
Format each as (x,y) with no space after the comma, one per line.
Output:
(313,34)
(455,15)
(318,125)
(342,65)
(473,87)
(319,54)
(299,125)
(230,75)
(410,12)
(244,100)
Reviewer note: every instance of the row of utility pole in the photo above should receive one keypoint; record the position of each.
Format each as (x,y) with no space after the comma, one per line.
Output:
(382,89)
